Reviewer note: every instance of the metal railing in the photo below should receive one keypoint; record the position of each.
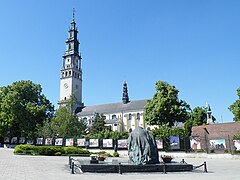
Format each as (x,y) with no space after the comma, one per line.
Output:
(76,169)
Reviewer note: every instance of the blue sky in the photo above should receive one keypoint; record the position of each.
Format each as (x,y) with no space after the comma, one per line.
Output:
(193,45)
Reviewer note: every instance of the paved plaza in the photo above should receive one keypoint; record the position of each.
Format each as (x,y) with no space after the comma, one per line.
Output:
(21,167)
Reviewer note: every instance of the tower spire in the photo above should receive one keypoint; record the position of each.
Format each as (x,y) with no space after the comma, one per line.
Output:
(209,114)
(125,98)
(73,19)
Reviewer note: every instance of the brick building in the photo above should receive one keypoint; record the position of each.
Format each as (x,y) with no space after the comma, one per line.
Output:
(208,134)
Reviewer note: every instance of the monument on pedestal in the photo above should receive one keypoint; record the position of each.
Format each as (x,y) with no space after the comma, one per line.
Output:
(142,148)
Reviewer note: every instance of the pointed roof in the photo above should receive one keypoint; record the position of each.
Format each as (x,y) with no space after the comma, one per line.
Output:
(113,108)
(125,98)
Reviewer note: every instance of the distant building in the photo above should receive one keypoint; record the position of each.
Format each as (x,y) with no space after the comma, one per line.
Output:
(211,132)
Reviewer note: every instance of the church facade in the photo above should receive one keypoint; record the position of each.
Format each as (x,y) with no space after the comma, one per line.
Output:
(120,116)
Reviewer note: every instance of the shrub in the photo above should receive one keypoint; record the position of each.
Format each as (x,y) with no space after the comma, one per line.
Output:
(50,150)
(236,137)
(58,154)
(71,150)
(236,152)
(212,151)
(200,150)
(75,150)
(24,149)
(116,154)
(40,150)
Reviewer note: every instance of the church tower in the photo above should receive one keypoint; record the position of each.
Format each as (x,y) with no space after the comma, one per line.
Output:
(71,71)
(209,114)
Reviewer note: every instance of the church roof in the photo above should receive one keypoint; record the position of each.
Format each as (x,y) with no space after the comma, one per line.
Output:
(113,108)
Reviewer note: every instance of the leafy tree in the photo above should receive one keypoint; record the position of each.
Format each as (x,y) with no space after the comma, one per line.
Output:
(98,124)
(165,131)
(199,116)
(165,107)
(188,127)
(48,129)
(22,107)
(235,107)
(66,123)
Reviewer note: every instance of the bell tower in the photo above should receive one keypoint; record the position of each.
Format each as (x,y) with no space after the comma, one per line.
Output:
(71,71)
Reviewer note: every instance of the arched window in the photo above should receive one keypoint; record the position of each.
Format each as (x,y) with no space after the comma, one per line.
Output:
(130,116)
(89,122)
(69,46)
(85,119)
(114,116)
(138,116)
(70,73)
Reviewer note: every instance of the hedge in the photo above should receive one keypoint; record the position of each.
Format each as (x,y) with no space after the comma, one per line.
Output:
(50,150)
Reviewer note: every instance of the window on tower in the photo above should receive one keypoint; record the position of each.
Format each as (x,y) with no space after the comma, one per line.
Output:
(70,73)
(69,46)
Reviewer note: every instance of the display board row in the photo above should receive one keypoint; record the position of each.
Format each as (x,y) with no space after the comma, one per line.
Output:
(195,142)
(214,144)
(91,143)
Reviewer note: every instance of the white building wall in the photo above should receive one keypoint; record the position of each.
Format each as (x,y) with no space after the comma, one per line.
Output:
(124,124)
(77,89)
(65,88)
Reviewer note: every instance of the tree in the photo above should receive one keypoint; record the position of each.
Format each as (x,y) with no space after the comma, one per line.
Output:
(164,132)
(235,107)
(48,129)
(64,123)
(98,124)
(199,116)
(22,107)
(165,107)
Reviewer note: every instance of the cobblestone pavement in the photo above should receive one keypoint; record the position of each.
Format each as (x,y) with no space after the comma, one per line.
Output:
(21,167)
